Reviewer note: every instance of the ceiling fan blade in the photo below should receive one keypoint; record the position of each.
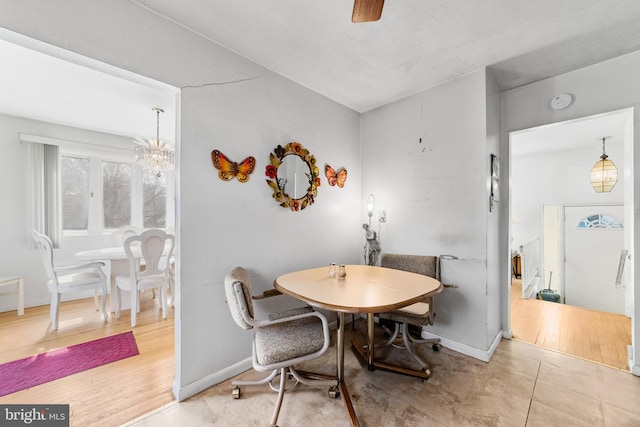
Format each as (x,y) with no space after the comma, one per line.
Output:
(367,10)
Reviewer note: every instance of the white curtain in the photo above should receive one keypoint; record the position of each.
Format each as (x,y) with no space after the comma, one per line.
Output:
(45,189)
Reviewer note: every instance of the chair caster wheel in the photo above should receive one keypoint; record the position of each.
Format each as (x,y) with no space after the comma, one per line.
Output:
(235,393)
(435,347)
(333,392)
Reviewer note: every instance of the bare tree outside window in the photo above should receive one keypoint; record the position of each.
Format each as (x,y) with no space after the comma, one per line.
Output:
(74,177)
(154,199)
(116,194)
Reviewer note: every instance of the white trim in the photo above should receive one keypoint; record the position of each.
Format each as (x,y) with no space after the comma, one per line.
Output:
(189,390)
(115,145)
(484,355)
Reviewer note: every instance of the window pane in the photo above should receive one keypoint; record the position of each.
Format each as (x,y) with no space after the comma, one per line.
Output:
(116,194)
(74,177)
(154,194)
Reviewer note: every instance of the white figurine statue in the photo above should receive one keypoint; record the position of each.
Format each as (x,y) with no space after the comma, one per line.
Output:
(371,247)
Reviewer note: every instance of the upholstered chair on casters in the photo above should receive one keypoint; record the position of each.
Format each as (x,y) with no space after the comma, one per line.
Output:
(419,314)
(280,342)
(69,278)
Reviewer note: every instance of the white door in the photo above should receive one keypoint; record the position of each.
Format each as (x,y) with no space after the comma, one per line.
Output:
(592,246)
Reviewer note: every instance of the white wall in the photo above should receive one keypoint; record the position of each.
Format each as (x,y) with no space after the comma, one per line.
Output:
(559,177)
(18,255)
(608,86)
(425,158)
(220,224)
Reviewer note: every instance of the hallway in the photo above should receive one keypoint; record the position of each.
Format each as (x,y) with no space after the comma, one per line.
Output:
(592,335)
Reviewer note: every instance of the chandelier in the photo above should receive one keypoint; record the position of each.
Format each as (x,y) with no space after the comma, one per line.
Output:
(153,154)
(604,173)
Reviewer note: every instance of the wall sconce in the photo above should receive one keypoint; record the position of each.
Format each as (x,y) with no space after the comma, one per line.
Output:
(372,245)
(371,203)
(604,174)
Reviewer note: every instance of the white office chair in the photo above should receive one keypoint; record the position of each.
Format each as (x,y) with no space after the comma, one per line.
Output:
(69,278)
(280,342)
(153,248)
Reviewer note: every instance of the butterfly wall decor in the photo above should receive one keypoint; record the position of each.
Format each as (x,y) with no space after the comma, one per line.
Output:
(228,169)
(335,178)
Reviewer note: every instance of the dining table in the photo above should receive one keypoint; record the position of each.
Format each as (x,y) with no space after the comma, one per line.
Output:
(118,262)
(364,289)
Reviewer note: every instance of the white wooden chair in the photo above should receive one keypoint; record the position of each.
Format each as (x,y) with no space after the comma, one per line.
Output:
(69,278)
(153,249)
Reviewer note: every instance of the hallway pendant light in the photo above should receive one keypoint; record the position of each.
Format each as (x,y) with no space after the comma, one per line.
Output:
(155,154)
(604,173)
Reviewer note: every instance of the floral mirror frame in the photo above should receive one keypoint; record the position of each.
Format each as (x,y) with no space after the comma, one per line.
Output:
(279,194)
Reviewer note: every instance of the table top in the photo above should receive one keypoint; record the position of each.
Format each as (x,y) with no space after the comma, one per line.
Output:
(114,253)
(365,289)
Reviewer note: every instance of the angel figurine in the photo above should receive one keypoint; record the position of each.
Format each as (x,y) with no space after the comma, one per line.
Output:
(371,247)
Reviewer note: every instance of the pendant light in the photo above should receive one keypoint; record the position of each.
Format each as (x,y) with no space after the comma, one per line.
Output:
(604,173)
(154,154)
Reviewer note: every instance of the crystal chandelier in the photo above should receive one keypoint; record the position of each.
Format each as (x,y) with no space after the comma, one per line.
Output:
(154,154)
(604,173)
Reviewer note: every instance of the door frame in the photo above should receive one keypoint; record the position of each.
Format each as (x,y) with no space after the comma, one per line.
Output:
(633,287)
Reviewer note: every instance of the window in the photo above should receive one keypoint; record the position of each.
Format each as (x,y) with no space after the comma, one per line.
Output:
(154,200)
(599,221)
(104,191)
(116,194)
(74,180)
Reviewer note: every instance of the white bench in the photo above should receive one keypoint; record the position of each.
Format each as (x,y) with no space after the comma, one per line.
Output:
(18,281)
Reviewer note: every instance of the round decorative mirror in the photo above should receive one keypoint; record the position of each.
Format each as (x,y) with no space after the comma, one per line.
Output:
(293,176)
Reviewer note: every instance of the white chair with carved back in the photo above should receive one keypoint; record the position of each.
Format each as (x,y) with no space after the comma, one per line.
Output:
(281,342)
(69,278)
(153,248)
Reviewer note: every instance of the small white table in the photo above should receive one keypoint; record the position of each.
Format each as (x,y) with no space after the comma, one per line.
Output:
(19,282)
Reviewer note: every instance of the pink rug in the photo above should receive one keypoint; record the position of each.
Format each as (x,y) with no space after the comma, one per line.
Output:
(35,370)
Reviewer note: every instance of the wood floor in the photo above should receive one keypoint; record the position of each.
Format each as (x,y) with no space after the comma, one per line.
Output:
(593,335)
(108,395)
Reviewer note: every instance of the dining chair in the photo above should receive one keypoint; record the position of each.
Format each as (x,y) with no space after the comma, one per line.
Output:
(279,343)
(418,314)
(153,249)
(69,278)
(123,233)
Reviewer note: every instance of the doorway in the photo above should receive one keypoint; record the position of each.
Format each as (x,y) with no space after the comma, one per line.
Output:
(550,166)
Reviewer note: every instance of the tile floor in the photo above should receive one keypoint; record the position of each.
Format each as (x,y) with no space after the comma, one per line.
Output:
(522,385)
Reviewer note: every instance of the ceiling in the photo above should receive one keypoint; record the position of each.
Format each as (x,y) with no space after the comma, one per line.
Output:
(583,133)
(417,44)
(44,83)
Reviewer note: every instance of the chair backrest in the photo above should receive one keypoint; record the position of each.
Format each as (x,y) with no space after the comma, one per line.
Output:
(45,247)
(123,233)
(421,264)
(155,247)
(239,276)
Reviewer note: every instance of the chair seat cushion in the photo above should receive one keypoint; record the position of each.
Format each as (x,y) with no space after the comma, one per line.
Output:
(289,340)
(414,314)
(289,313)
(78,281)
(151,281)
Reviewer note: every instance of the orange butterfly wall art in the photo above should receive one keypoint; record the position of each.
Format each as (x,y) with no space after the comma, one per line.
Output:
(335,178)
(228,169)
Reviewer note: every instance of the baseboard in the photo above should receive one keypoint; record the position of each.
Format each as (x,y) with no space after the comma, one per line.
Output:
(508,334)
(484,355)
(185,392)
